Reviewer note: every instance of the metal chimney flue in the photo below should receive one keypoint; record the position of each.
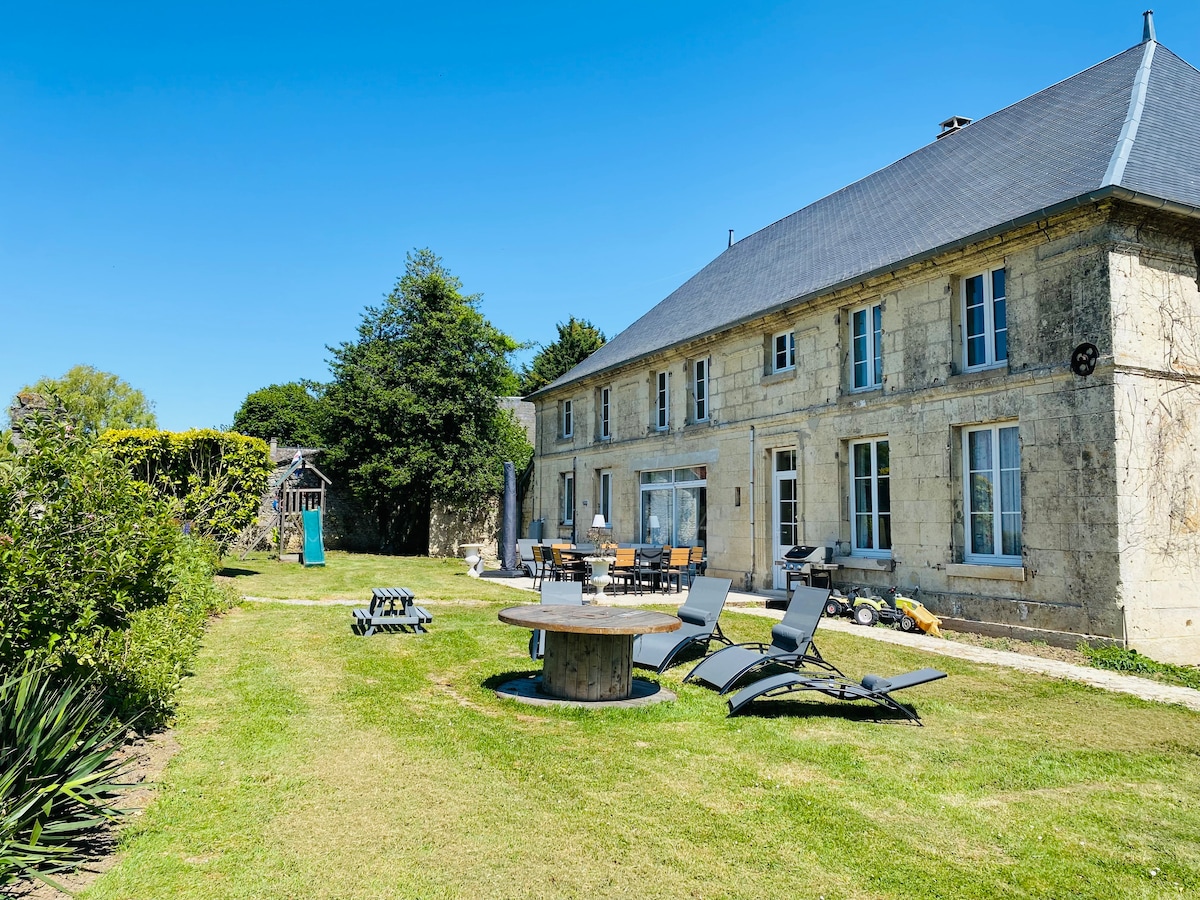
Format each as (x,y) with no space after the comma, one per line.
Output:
(1148,26)
(952,125)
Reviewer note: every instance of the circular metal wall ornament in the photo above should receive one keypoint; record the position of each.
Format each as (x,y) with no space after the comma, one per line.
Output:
(1083,359)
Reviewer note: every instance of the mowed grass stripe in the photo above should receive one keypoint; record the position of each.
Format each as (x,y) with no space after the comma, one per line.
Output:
(319,764)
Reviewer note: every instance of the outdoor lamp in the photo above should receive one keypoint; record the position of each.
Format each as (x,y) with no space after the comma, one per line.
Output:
(598,521)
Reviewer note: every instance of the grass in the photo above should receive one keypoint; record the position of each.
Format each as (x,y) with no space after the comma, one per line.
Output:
(317,764)
(350,576)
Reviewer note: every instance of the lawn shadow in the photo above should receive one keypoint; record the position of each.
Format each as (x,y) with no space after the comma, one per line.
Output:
(235,573)
(780,709)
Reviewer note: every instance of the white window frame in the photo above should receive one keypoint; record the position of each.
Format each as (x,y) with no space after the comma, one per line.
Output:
(662,401)
(568,498)
(994,335)
(700,390)
(783,351)
(1009,495)
(605,413)
(567,420)
(872,481)
(871,360)
(604,503)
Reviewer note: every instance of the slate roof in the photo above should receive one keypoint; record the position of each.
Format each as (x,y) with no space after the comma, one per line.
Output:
(1129,126)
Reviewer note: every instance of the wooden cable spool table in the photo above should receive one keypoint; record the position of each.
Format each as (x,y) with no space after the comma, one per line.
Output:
(589,649)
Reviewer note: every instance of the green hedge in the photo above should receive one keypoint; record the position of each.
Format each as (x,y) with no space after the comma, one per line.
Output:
(217,477)
(95,573)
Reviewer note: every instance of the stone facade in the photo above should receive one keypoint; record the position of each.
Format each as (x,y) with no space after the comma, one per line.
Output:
(1109,503)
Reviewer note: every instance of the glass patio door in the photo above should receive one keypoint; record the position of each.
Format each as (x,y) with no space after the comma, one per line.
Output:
(785,527)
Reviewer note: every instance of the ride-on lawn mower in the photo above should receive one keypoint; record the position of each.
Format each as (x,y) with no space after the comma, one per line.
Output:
(902,612)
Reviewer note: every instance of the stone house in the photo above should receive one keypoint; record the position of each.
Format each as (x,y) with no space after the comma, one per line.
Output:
(975,372)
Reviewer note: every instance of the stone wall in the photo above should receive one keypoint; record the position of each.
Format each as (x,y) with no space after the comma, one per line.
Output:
(1076,575)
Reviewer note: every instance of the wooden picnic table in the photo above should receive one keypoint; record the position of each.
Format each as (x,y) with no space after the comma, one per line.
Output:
(589,649)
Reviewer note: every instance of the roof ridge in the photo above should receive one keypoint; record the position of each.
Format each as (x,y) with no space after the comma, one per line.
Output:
(1129,130)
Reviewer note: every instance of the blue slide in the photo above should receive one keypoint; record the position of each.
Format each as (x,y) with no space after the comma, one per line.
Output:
(314,541)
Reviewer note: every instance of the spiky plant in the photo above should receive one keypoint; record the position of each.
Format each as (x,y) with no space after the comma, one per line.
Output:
(58,772)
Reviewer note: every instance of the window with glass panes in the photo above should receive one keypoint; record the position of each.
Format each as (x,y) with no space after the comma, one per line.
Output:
(605,414)
(675,507)
(568,498)
(992,485)
(568,418)
(662,401)
(871,497)
(985,320)
(866,347)
(700,390)
(784,345)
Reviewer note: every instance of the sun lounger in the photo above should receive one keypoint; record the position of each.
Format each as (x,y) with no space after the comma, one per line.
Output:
(791,645)
(699,613)
(873,688)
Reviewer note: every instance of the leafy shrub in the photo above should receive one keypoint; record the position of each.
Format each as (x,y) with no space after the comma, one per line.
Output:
(144,664)
(95,574)
(57,770)
(1121,660)
(217,478)
(83,545)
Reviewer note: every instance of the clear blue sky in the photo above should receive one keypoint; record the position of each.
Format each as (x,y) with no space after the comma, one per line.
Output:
(200,197)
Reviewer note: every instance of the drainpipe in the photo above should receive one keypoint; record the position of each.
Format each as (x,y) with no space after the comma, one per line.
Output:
(574,497)
(753,543)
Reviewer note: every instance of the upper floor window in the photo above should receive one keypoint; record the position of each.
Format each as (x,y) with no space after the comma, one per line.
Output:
(784,348)
(605,405)
(700,390)
(662,401)
(866,347)
(985,320)
(871,497)
(568,418)
(992,485)
(568,498)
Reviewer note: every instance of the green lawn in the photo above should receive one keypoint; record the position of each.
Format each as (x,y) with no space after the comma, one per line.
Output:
(319,764)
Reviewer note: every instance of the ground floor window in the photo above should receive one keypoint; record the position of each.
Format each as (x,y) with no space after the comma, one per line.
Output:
(568,498)
(871,497)
(992,486)
(675,507)
(605,499)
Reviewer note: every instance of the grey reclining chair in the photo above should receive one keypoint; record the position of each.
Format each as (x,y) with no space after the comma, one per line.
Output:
(791,645)
(560,593)
(873,688)
(699,613)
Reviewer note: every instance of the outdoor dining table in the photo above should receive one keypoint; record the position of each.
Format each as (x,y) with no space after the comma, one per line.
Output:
(589,649)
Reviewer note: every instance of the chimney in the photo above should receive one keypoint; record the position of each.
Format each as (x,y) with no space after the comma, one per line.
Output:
(953,124)
(1148,26)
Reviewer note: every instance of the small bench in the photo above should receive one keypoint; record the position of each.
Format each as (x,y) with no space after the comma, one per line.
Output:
(390,608)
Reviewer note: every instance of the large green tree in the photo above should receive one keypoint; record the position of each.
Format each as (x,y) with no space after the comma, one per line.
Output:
(414,415)
(293,413)
(97,400)
(577,340)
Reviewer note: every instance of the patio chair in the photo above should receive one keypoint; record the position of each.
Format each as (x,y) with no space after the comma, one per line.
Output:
(563,569)
(624,568)
(791,645)
(676,565)
(648,567)
(542,565)
(874,688)
(699,613)
(525,554)
(556,593)
(696,563)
